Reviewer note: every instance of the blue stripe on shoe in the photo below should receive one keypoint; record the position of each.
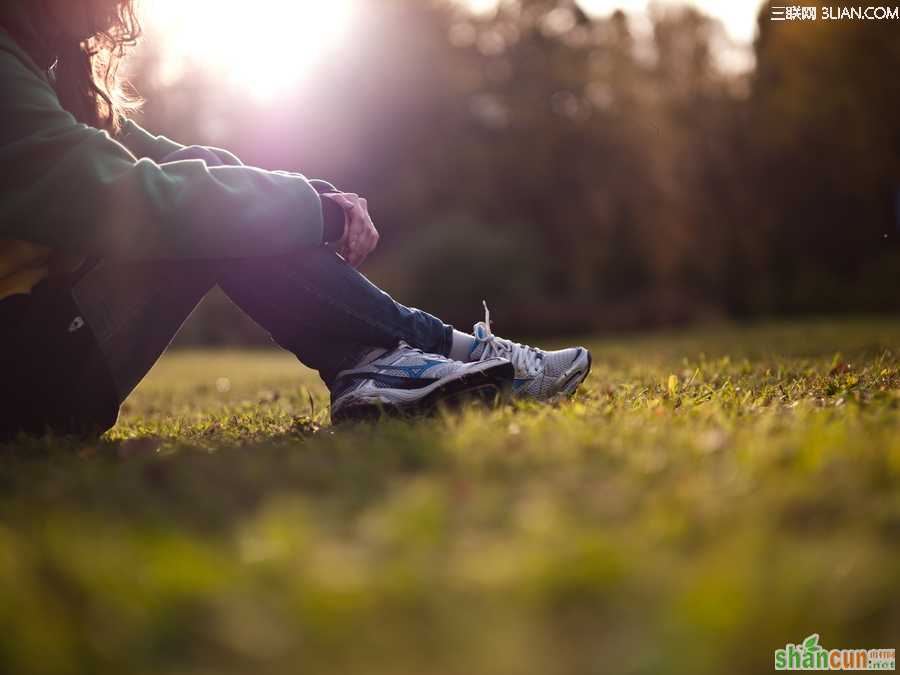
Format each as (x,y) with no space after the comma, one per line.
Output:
(392,381)
(411,371)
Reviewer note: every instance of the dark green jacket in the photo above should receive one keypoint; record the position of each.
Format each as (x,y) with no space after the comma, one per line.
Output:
(74,189)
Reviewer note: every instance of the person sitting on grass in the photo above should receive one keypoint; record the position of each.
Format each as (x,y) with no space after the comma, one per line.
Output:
(110,236)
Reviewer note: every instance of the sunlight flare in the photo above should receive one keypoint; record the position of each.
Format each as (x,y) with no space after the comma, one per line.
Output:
(266,47)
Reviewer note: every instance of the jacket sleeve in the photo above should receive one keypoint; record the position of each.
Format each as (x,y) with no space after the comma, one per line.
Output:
(71,187)
(141,143)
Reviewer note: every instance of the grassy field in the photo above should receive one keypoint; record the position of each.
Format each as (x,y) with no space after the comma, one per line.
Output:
(708,497)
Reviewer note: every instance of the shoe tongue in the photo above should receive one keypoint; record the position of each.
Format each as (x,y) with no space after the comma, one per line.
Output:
(480,331)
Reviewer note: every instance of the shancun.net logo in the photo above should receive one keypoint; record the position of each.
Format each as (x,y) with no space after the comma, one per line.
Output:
(810,655)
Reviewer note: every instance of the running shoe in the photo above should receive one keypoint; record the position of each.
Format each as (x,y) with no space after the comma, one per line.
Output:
(405,381)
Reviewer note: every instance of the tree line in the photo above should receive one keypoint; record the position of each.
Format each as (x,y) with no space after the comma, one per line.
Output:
(581,174)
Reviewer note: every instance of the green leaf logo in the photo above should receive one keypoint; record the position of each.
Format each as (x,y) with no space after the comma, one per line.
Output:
(811,644)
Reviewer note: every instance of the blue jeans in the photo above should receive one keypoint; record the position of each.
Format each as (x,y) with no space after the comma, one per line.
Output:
(311,301)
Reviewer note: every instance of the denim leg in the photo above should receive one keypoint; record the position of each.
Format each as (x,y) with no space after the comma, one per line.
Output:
(312,302)
(319,307)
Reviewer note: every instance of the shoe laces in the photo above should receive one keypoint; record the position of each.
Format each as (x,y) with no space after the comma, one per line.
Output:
(524,358)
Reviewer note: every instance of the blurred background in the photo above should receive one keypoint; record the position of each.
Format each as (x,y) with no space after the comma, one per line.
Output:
(583,166)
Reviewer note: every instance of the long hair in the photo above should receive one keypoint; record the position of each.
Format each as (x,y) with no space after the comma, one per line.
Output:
(85,73)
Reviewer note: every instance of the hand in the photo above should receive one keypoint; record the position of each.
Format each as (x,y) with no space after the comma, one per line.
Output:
(360,236)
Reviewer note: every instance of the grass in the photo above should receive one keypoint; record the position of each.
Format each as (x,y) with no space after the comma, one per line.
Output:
(708,497)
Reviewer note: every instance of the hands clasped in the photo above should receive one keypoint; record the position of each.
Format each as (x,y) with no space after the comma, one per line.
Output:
(360,235)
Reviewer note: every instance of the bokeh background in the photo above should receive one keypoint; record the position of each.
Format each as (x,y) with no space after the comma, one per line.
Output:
(710,494)
(580,166)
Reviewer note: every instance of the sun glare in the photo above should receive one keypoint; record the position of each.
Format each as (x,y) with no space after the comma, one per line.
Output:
(266,47)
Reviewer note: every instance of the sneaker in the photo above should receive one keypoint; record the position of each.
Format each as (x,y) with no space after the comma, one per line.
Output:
(405,381)
(540,374)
